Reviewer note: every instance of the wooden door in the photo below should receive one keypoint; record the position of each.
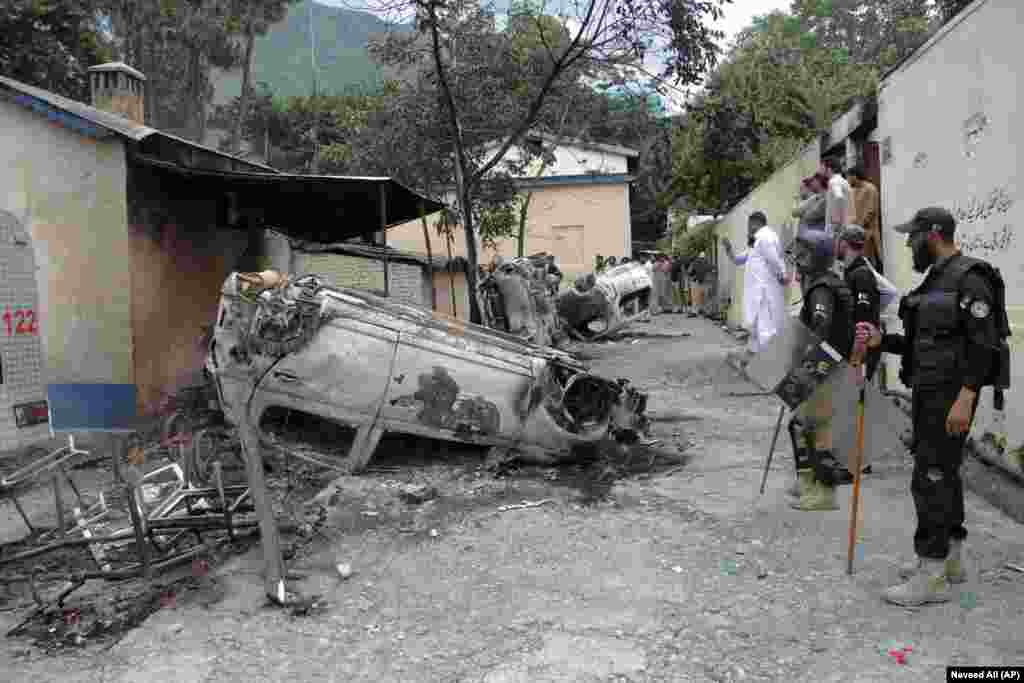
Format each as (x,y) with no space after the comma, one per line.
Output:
(873,170)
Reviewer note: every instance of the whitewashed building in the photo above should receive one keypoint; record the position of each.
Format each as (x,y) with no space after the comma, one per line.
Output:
(951,134)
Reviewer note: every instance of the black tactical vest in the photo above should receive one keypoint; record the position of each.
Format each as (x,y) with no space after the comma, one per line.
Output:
(840,335)
(860,263)
(931,320)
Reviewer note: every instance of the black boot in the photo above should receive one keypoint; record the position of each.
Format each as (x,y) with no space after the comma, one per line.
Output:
(829,470)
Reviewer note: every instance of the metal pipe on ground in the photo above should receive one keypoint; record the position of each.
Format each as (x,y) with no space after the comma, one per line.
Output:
(120,536)
(129,572)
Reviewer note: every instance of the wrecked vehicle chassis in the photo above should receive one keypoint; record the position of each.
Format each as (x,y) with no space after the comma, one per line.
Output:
(377,366)
(606,303)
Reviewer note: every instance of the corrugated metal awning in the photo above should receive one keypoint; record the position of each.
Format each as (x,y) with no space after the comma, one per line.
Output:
(312,208)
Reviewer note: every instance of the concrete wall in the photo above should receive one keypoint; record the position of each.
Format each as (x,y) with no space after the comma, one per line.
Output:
(68,190)
(573,222)
(180,255)
(21,355)
(951,135)
(776,197)
(407,282)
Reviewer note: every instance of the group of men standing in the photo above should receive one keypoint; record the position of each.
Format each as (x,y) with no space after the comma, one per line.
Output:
(680,283)
(953,344)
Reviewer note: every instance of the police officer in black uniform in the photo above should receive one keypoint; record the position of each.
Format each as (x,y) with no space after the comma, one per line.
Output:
(828,311)
(955,329)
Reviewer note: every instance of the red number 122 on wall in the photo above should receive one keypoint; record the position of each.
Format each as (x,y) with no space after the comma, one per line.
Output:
(22,321)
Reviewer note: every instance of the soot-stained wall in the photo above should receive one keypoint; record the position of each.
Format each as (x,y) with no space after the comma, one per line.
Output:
(182,250)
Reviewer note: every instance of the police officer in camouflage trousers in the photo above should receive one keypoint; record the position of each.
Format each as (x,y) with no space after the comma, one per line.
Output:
(828,312)
(955,343)
(864,300)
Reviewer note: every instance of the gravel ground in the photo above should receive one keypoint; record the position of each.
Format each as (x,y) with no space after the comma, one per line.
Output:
(679,573)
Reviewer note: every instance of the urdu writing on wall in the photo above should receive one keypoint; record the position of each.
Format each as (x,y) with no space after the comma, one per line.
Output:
(974,236)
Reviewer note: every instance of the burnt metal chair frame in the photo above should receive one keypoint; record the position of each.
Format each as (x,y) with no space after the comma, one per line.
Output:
(111,408)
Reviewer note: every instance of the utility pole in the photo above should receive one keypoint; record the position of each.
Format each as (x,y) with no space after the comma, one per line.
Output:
(315,165)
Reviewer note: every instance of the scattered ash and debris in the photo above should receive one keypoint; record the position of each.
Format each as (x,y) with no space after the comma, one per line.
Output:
(411,488)
(595,471)
(102,613)
(58,609)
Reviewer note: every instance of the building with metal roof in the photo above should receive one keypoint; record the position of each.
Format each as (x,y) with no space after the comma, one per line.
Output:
(132,231)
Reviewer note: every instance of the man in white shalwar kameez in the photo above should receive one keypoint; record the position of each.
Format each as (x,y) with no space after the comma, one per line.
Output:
(764,283)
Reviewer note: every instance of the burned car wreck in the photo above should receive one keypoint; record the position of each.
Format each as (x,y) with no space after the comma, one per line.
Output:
(378,366)
(519,301)
(596,307)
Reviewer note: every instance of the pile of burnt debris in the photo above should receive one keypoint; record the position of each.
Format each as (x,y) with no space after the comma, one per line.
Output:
(98,539)
(90,568)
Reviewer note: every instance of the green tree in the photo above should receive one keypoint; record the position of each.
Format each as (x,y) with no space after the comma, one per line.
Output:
(287,125)
(175,43)
(256,18)
(793,82)
(870,32)
(401,141)
(472,62)
(716,152)
(700,239)
(783,82)
(52,44)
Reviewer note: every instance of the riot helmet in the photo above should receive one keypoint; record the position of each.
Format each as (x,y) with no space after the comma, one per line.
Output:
(814,252)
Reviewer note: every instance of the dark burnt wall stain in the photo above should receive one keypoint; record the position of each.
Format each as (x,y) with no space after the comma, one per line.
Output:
(181,254)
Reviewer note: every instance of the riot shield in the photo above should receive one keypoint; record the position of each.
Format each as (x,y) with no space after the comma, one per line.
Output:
(794,364)
(797,365)
(884,422)
(791,367)
(729,380)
